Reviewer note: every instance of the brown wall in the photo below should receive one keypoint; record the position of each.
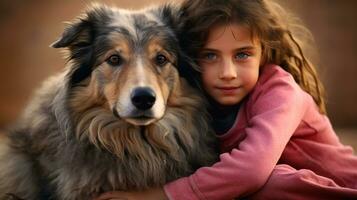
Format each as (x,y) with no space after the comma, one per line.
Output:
(28,27)
(334,26)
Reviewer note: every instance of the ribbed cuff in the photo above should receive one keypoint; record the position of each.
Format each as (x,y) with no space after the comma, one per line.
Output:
(180,189)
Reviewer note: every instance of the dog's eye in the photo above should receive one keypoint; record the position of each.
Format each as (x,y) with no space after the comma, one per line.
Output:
(160,60)
(115,60)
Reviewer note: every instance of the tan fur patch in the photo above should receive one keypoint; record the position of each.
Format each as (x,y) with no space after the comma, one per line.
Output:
(155,46)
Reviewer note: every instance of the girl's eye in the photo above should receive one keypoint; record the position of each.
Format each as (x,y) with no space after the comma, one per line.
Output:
(115,60)
(161,60)
(209,56)
(241,56)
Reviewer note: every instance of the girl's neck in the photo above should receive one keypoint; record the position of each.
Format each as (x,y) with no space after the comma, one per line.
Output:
(221,111)
(223,117)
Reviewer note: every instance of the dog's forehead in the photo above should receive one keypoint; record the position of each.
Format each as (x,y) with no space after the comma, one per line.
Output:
(135,22)
(137,31)
(138,28)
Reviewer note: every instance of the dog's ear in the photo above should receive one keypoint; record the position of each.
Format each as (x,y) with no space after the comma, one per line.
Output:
(173,17)
(170,15)
(81,32)
(79,38)
(76,34)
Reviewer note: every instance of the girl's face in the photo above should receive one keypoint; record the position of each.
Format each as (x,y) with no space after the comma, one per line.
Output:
(230,63)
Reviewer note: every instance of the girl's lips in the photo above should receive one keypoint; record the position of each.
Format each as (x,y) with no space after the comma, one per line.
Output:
(228,90)
(227,87)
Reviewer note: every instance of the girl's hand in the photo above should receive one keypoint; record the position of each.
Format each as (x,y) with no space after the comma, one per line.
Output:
(151,194)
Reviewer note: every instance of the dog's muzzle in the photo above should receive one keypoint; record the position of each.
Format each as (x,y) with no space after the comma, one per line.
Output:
(141,110)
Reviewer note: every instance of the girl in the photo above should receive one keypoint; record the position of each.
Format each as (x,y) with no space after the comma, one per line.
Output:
(267,107)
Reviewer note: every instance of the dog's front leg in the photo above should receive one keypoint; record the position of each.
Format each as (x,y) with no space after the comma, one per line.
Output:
(17,177)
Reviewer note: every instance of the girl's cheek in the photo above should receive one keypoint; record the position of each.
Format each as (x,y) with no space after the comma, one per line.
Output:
(249,78)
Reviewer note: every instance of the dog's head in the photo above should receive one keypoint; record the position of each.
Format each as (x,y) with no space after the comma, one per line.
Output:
(125,58)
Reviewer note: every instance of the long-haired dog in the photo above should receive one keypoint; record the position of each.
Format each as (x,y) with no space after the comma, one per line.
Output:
(118,118)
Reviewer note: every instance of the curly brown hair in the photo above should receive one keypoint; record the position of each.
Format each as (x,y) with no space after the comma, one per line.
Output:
(281,35)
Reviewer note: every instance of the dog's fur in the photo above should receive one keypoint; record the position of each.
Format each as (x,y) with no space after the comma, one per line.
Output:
(81,134)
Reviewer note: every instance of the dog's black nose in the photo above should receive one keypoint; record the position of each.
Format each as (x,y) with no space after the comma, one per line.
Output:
(143,98)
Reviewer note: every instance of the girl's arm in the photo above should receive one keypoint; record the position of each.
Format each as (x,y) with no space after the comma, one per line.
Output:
(274,109)
(151,194)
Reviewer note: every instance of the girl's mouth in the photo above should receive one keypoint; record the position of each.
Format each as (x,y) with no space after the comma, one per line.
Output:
(228,90)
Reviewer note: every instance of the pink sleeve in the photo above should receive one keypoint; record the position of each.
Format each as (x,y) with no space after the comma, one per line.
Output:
(276,107)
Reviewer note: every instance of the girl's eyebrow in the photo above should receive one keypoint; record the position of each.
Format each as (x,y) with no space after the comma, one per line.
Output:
(244,48)
(247,48)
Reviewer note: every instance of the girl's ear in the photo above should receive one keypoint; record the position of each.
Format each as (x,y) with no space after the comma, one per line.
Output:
(264,55)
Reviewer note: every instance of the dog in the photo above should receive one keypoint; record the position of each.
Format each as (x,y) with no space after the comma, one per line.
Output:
(119,116)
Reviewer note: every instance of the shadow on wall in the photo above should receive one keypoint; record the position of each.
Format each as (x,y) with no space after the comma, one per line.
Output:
(27,29)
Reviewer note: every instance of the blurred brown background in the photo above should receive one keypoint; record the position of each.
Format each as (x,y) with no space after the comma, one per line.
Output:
(27,28)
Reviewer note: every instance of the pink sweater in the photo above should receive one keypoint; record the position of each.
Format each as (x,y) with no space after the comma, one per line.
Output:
(278,123)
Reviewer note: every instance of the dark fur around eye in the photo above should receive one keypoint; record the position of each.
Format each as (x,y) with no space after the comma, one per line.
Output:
(115,60)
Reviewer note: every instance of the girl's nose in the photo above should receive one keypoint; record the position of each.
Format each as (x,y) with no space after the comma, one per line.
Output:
(228,70)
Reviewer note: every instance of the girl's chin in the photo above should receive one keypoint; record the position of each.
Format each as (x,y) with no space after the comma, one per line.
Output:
(229,101)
